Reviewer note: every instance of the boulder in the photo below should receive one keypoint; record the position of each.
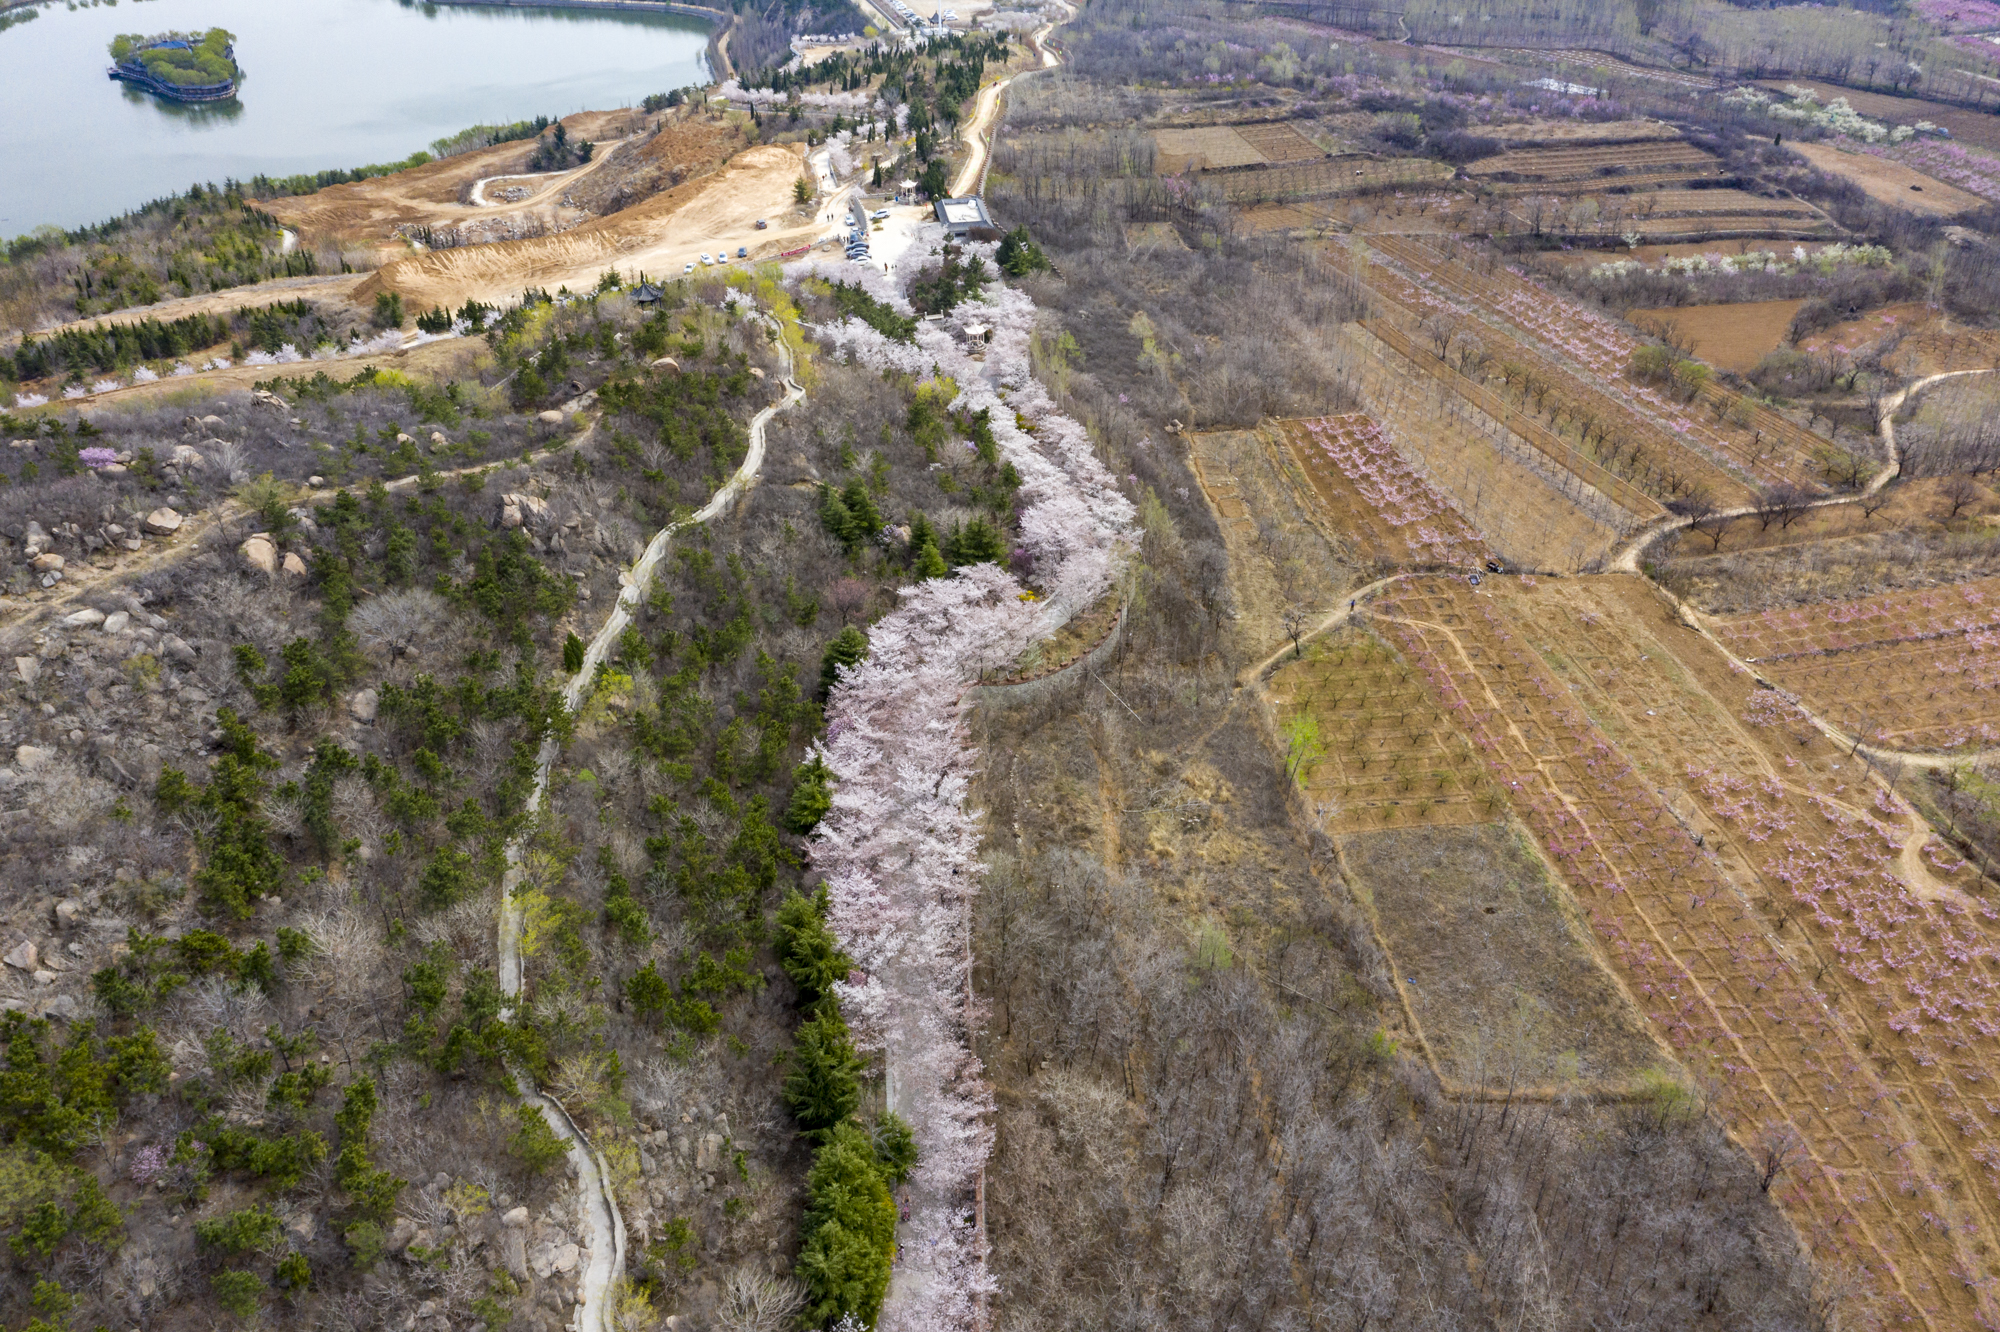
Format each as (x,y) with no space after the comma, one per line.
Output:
(565,1258)
(708,1154)
(438,442)
(24,956)
(667,363)
(514,1252)
(260,554)
(177,650)
(45,978)
(113,469)
(401,1234)
(551,417)
(69,911)
(294,566)
(30,757)
(211,423)
(29,669)
(47,562)
(364,705)
(117,622)
(516,1219)
(517,509)
(187,455)
(163,521)
(84,618)
(756,373)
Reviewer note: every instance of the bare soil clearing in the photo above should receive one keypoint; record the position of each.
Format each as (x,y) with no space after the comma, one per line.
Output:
(1728,337)
(1890,182)
(658,236)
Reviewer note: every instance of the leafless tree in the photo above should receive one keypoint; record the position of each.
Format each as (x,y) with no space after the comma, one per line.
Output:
(849,596)
(753,1301)
(398,621)
(1295,621)
(1956,493)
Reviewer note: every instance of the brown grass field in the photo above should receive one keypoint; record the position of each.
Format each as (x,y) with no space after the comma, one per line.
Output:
(1203,149)
(1496,969)
(1728,337)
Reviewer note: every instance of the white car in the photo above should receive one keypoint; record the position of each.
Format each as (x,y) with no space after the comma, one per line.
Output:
(707,262)
(878,215)
(687,268)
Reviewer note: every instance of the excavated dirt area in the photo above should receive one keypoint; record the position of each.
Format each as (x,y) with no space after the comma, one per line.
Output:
(657,236)
(636,157)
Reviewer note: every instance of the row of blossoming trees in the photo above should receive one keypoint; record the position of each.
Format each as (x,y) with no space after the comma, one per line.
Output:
(899,848)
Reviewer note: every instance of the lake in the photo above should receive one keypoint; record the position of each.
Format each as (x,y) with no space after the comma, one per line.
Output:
(326,84)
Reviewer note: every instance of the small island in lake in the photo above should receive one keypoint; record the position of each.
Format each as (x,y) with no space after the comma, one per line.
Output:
(184,66)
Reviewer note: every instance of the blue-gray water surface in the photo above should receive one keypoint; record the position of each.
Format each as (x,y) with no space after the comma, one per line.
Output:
(327,84)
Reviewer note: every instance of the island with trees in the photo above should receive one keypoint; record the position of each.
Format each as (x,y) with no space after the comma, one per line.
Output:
(183,66)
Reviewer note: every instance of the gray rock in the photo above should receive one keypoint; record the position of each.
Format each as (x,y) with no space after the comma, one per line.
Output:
(401,1234)
(163,521)
(28,668)
(364,705)
(177,650)
(45,978)
(30,757)
(550,418)
(24,957)
(69,911)
(117,622)
(647,1165)
(566,1258)
(708,1155)
(516,1219)
(542,1259)
(48,562)
(514,1254)
(294,566)
(84,618)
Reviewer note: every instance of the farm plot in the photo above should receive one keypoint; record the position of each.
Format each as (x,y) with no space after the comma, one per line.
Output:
(1176,150)
(1530,507)
(1498,974)
(1650,204)
(1734,336)
(1324,178)
(1767,907)
(1721,426)
(1490,353)
(1662,159)
(1281,142)
(1376,751)
(1373,495)
(1918,669)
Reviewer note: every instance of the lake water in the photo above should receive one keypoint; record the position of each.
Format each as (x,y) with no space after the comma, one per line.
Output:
(327,84)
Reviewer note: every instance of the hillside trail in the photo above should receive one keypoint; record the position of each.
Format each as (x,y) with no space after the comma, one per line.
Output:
(601,1217)
(971,177)
(1626,558)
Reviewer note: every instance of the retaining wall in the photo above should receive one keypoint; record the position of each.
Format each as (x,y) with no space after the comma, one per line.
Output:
(1026,689)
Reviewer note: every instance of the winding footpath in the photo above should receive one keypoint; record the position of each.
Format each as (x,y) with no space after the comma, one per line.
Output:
(601,1217)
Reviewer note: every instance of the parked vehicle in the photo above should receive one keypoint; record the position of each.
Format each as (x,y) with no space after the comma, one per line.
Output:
(742,252)
(761,224)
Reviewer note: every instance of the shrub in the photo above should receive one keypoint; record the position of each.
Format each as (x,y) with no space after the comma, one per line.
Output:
(824,1082)
(848,648)
(244,1231)
(895,1146)
(536,1144)
(807,950)
(812,796)
(849,1232)
(239,1293)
